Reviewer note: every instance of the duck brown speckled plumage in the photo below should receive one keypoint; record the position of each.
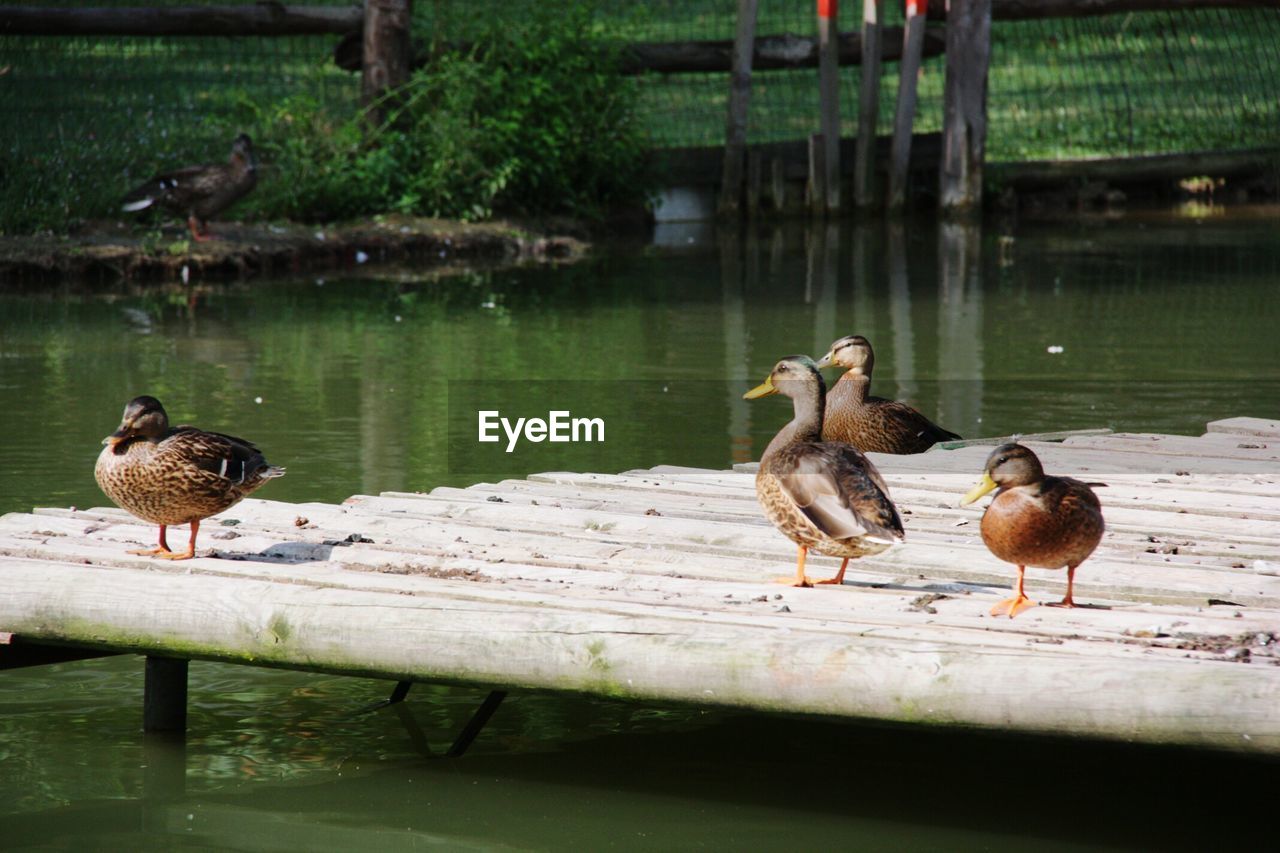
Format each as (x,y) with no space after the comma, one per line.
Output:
(176,475)
(872,424)
(822,495)
(200,192)
(1035,519)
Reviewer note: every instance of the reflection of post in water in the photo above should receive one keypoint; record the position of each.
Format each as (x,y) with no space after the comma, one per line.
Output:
(904,339)
(164,779)
(382,447)
(960,326)
(825,274)
(777,252)
(735,330)
(866,238)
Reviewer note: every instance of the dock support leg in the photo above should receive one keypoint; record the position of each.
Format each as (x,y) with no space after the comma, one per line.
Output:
(477,723)
(164,702)
(398,694)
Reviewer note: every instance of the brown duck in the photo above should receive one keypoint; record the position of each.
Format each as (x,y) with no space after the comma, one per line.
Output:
(200,192)
(1036,520)
(823,495)
(176,475)
(871,423)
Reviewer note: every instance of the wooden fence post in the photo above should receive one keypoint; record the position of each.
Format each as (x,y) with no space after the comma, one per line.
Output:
(964,116)
(868,107)
(829,100)
(388,53)
(735,133)
(909,70)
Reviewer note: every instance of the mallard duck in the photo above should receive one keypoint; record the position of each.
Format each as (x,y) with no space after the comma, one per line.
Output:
(1035,520)
(175,475)
(823,495)
(200,192)
(872,424)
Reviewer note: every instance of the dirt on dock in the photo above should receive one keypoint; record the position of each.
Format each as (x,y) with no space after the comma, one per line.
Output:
(114,251)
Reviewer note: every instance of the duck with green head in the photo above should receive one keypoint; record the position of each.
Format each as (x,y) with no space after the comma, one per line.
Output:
(176,475)
(872,424)
(1035,520)
(825,496)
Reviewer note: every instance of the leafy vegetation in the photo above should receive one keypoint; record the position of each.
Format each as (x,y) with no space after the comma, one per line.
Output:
(531,118)
(497,128)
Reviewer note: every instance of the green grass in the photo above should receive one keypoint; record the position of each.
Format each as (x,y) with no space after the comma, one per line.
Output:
(82,119)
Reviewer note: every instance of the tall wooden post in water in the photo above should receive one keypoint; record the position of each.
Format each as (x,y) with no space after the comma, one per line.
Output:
(735,133)
(388,53)
(908,70)
(964,116)
(864,167)
(829,100)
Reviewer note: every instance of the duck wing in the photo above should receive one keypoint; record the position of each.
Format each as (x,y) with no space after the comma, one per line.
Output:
(225,456)
(1068,496)
(841,492)
(912,423)
(178,190)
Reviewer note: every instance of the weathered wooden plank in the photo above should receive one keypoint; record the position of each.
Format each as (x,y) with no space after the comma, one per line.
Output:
(1119,632)
(1059,435)
(650,657)
(607,576)
(1246,426)
(1184,445)
(750,550)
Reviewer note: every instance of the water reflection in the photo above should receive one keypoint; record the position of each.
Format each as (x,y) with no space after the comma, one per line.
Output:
(1162,327)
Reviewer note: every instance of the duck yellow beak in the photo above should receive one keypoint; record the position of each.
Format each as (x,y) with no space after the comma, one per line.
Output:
(985,485)
(764,389)
(119,435)
(825,361)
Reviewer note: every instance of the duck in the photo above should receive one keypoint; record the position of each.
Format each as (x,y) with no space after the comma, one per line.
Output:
(200,192)
(872,424)
(1036,520)
(176,475)
(825,496)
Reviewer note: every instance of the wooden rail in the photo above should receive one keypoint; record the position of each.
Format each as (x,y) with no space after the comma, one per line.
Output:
(262,19)
(1025,10)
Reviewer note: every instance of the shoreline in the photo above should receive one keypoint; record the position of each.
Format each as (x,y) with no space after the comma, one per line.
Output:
(108,252)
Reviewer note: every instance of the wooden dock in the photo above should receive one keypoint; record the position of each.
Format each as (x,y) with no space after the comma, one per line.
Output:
(656,584)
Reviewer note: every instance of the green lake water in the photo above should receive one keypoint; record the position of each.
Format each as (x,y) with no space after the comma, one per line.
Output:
(361,383)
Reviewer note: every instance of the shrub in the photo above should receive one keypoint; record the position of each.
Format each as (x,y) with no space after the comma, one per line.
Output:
(528,119)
